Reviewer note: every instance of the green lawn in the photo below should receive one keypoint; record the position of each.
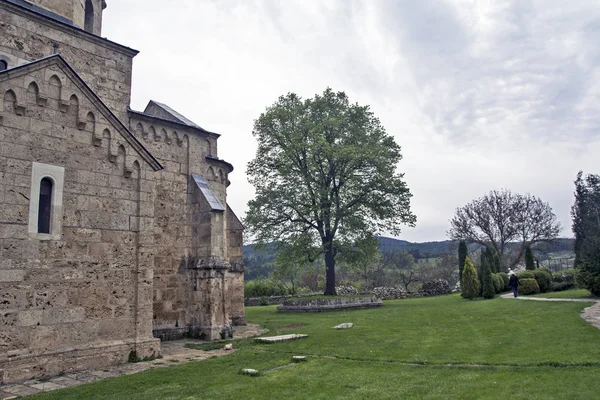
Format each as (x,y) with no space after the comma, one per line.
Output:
(420,348)
(568,294)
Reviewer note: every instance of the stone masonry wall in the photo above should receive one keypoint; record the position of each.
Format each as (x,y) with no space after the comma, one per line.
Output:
(187,231)
(105,66)
(84,300)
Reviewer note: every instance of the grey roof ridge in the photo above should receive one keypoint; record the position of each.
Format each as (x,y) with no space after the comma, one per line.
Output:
(31,8)
(176,114)
(141,113)
(127,135)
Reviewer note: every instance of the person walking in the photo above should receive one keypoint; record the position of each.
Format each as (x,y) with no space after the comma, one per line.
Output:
(513,281)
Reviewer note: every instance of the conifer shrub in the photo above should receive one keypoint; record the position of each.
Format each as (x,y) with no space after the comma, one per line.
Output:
(462,255)
(544,279)
(470,282)
(529,260)
(528,286)
(489,292)
(498,283)
(505,278)
(588,270)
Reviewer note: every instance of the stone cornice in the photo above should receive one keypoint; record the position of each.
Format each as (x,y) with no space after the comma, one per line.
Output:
(17,9)
(214,160)
(173,124)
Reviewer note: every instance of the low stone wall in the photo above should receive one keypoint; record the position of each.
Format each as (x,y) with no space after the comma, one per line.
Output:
(336,304)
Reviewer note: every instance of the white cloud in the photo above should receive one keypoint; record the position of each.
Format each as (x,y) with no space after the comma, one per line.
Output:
(479,94)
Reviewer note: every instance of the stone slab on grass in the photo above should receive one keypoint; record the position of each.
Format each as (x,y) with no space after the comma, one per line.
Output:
(281,338)
(345,325)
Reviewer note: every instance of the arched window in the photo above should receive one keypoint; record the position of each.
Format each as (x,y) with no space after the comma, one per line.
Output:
(3,65)
(89,17)
(45,206)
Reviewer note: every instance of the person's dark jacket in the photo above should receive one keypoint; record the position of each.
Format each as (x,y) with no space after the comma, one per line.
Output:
(513,280)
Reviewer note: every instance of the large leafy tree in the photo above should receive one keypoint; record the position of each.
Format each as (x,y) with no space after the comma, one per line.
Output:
(502,218)
(325,168)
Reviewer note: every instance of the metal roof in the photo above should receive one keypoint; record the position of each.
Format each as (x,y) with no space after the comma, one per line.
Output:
(209,195)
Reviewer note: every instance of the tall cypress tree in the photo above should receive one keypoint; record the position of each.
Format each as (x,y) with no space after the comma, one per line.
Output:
(529,260)
(462,255)
(488,284)
(470,282)
(497,267)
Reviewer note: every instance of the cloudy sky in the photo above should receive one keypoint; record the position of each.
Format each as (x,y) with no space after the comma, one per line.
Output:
(480,94)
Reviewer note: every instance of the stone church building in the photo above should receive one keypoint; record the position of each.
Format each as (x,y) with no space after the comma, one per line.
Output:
(114,223)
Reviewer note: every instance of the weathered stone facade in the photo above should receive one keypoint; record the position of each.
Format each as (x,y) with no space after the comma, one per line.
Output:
(137,232)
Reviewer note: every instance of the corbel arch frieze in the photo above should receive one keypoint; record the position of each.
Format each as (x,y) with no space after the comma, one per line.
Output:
(41,92)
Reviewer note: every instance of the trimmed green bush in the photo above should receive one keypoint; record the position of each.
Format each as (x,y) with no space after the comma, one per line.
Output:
(505,278)
(560,286)
(526,275)
(264,288)
(563,280)
(498,283)
(528,286)
(470,282)
(544,279)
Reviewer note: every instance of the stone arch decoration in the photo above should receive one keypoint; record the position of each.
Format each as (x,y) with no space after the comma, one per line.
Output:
(107,137)
(151,132)
(74,105)
(139,130)
(54,88)
(136,170)
(9,101)
(33,92)
(90,122)
(164,135)
(122,158)
(175,138)
(211,174)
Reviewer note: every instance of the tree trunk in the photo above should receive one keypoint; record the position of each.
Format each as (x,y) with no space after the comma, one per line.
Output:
(330,270)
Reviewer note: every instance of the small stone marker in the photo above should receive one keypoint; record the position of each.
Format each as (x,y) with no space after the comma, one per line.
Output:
(299,358)
(345,325)
(281,338)
(250,371)
(228,347)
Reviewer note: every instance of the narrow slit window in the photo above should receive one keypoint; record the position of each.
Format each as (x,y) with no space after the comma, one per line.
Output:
(45,206)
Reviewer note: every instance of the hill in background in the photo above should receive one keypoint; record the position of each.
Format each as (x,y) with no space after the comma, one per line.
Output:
(258,261)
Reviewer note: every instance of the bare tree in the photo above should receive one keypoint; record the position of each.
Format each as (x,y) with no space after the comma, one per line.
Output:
(501,218)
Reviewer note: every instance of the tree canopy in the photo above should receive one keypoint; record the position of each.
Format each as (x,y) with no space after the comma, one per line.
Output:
(324,170)
(586,227)
(501,218)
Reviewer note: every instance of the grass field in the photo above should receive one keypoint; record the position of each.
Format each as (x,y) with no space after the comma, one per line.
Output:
(568,294)
(421,348)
